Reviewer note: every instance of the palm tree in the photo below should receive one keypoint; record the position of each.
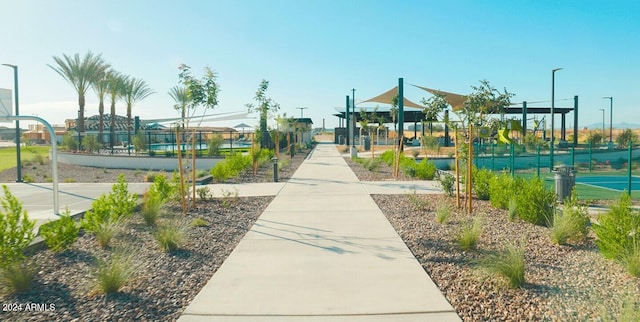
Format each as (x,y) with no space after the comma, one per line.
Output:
(100,87)
(80,73)
(115,83)
(134,90)
(180,96)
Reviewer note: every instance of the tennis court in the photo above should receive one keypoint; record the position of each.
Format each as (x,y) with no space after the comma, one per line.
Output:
(612,182)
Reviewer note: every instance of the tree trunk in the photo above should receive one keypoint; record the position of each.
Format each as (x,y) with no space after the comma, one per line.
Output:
(112,138)
(128,125)
(101,122)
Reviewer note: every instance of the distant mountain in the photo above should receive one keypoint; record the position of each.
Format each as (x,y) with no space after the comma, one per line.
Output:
(623,125)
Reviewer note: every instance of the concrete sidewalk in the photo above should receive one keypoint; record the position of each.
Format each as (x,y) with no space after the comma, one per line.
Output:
(322,251)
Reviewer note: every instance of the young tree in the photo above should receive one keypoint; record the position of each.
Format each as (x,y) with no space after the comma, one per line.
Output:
(484,100)
(266,107)
(627,135)
(435,105)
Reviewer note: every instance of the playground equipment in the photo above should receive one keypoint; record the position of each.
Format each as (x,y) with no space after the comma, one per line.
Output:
(511,125)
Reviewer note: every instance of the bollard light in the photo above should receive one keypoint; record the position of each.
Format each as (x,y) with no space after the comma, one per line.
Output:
(275,169)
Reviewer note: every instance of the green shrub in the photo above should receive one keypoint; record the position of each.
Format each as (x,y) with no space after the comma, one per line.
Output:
(162,188)
(61,233)
(535,202)
(425,169)
(229,198)
(572,223)
(443,212)
(214,144)
(38,158)
(469,234)
(16,277)
(481,180)
(387,157)
(618,229)
(114,273)
(501,188)
(16,230)
(28,178)
(204,193)
(122,201)
(447,182)
(170,237)
(100,212)
(508,263)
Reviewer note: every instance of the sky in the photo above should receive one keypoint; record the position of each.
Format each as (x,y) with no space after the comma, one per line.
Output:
(314,52)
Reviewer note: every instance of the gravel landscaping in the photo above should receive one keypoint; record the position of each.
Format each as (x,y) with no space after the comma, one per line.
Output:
(163,284)
(563,283)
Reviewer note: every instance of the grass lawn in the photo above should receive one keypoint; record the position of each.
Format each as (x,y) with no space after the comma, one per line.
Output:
(8,155)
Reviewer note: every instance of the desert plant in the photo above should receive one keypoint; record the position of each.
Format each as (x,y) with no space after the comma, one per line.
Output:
(16,230)
(535,203)
(508,263)
(28,178)
(170,237)
(512,210)
(61,233)
(100,212)
(215,142)
(617,229)
(152,204)
(417,201)
(199,222)
(162,188)
(447,182)
(469,234)
(90,143)
(17,277)
(481,180)
(112,274)
(70,142)
(38,158)
(631,259)
(105,231)
(572,223)
(69,180)
(204,193)
(443,212)
(229,197)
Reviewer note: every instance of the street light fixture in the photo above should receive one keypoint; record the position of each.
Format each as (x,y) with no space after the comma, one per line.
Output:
(610,98)
(301,109)
(553,111)
(602,109)
(15,89)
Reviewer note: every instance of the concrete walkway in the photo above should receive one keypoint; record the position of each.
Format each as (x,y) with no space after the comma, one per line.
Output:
(322,251)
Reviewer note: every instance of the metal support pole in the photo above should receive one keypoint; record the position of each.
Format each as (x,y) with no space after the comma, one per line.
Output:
(400,110)
(18,132)
(590,156)
(54,155)
(629,167)
(348,123)
(573,156)
(553,114)
(538,157)
(575,120)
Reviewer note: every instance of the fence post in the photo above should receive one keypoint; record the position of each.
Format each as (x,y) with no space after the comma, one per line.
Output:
(629,167)
(513,159)
(538,157)
(573,156)
(493,157)
(590,156)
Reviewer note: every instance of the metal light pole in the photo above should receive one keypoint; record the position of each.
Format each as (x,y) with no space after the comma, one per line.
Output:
(602,109)
(553,111)
(610,98)
(353,104)
(15,89)
(301,109)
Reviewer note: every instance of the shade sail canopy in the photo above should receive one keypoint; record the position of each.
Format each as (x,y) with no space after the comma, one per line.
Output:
(387,98)
(455,100)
